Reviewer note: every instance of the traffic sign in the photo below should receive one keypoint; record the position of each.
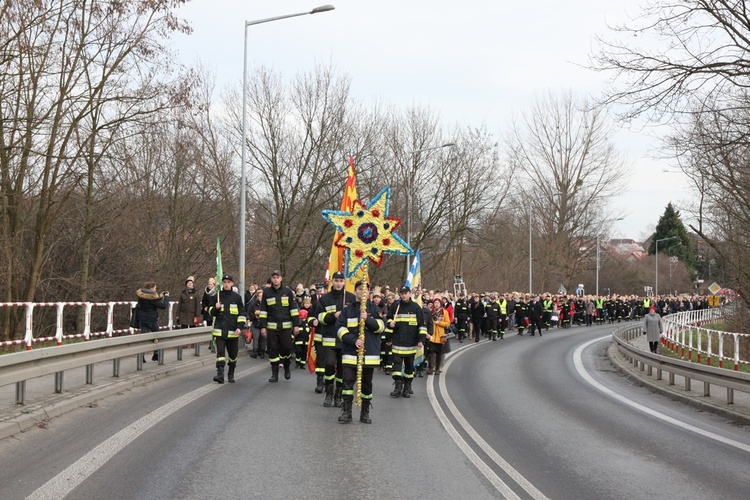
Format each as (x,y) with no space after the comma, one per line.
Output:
(714,288)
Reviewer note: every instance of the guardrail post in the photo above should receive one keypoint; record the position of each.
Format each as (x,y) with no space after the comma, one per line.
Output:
(139,361)
(730,396)
(197,349)
(20,392)
(87,322)
(89,374)
(59,382)
(658,374)
(736,351)
(110,319)
(29,338)
(59,331)
(671,378)
(116,367)
(706,389)
(179,353)
(687,383)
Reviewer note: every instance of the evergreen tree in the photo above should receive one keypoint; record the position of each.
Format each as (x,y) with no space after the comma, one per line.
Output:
(670,225)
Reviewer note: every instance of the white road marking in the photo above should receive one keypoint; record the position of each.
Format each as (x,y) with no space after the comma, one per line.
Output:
(67,480)
(578,362)
(486,448)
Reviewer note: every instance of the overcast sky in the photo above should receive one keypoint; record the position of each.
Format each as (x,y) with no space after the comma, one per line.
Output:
(474,61)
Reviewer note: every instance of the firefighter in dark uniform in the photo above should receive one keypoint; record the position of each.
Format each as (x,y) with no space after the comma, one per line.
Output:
(521,311)
(406,327)
(230,320)
(493,316)
(461,313)
(279,323)
(348,333)
(327,311)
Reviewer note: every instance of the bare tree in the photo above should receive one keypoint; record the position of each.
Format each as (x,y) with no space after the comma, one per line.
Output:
(566,168)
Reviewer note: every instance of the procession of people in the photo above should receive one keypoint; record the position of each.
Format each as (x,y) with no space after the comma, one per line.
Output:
(401,334)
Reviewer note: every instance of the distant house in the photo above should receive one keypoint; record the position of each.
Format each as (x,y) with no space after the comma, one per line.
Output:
(627,249)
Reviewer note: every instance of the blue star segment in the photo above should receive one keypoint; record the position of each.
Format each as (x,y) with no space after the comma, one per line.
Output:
(367,232)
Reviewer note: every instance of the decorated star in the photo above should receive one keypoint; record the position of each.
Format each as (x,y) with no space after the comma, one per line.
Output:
(367,232)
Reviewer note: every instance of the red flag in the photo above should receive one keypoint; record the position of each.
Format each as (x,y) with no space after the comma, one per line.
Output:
(312,356)
(336,260)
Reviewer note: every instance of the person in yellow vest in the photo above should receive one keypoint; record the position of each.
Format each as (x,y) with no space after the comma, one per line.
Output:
(502,323)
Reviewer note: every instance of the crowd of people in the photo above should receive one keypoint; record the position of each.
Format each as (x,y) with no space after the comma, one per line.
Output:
(405,331)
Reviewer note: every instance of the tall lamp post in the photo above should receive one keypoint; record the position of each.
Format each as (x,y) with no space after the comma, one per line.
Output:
(598,259)
(243,179)
(656,254)
(410,191)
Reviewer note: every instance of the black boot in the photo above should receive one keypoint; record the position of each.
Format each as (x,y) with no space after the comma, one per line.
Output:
(346,412)
(219,373)
(398,386)
(364,415)
(254,354)
(407,392)
(230,374)
(319,386)
(328,401)
(337,397)
(494,336)
(439,364)
(287,371)
(155,356)
(274,373)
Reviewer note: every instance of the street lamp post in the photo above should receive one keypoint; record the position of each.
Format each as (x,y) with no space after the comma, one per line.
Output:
(410,191)
(243,179)
(673,260)
(598,261)
(656,254)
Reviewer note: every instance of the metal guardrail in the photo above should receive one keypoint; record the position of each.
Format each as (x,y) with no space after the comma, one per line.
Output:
(648,361)
(21,366)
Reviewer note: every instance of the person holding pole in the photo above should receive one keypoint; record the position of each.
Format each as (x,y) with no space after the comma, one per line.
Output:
(358,328)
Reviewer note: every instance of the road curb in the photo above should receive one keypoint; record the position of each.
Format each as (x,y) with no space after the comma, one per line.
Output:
(39,414)
(697,402)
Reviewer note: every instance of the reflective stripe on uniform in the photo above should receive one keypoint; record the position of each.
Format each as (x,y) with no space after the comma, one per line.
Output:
(351,359)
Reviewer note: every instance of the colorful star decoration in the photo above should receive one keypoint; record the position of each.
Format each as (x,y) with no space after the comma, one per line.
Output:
(367,232)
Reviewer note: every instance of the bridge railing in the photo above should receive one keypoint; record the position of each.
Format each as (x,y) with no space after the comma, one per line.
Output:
(18,367)
(689,370)
(113,328)
(685,335)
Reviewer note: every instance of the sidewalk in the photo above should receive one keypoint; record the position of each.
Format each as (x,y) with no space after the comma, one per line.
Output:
(42,404)
(715,403)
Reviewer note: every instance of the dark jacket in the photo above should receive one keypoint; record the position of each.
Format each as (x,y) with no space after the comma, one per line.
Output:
(209,297)
(149,303)
(325,312)
(278,309)
(230,316)
(347,327)
(410,327)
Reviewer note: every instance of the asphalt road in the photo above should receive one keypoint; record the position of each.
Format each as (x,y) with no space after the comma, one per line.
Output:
(517,418)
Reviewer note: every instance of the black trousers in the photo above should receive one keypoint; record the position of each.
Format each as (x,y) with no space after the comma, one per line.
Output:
(350,381)
(332,362)
(230,346)
(280,346)
(408,364)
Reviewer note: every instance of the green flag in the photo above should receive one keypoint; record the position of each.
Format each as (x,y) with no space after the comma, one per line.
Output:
(219,270)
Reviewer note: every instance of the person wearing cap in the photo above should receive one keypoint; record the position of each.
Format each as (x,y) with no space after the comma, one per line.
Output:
(492,310)
(279,323)
(347,328)
(229,312)
(652,329)
(461,313)
(188,308)
(326,313)
(536,315)
(521,311)
(407,331)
